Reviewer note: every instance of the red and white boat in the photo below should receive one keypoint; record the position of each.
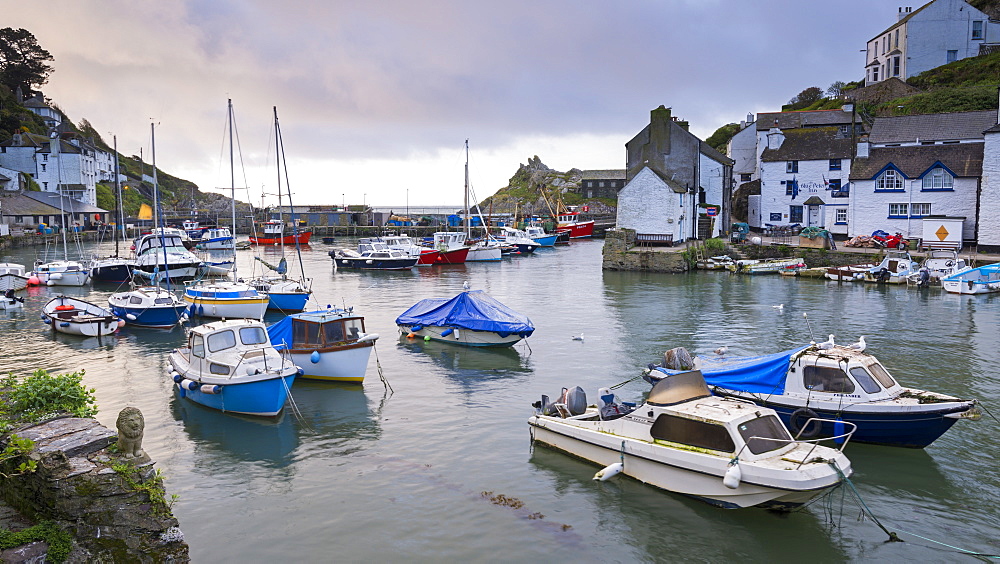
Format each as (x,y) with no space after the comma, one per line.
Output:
(569,219)
(426,255)
(274,234)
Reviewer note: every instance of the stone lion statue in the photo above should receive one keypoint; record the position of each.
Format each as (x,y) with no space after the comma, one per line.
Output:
(130,428)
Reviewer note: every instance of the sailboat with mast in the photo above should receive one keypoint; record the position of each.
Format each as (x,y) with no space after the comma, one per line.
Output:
(228,299)
(64,272)
(284,293)
(114,268)
(489,249)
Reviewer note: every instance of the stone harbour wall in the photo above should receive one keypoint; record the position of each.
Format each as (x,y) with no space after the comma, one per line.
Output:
(111,514)
(620,254)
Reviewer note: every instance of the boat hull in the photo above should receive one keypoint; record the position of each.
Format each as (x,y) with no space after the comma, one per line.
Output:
(546,241)
(456,336)
(486,254)
(704,482)
(263,398)
(174,272)
(12,282)
(236,308)
(79,318)
(300,238)
(454,256)
(158,317)
(900,429)
(291,301)
(579,230)
(347,364)
(362,263)
(112,272)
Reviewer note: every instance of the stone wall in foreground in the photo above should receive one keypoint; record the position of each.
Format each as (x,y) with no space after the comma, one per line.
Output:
(620,254)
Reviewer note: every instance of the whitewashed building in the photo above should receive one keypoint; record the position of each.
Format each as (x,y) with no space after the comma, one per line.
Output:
(935,34)
(675,183)
(57,164)
(742,150)
(804,178)
(916,166)
(989,200)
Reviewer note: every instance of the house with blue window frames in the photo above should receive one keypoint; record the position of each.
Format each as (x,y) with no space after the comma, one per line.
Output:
(916,166)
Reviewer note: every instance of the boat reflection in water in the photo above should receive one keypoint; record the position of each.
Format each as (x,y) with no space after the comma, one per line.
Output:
(473,363)
(337,418)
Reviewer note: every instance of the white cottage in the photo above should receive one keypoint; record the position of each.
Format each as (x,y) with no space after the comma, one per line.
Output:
(989,200)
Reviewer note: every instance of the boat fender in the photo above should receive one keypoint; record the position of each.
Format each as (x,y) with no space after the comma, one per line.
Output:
(252,370)
(314,357)
(733,475)
(189,384)
(210,388)
(34,281)
(176,377)
(130,316)
(369,337)
(457,336)
(447,332)
(46,319)
(121,323)
(609,472)
(299,371)
(798,418)
(416,328)
(410,335)
(55,276)
(838,431)
(427,337)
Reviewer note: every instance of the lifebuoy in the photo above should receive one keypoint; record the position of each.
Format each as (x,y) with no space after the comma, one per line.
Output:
(798,418)
(65,307)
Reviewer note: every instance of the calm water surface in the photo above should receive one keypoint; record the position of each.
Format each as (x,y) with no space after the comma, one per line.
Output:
(365,475)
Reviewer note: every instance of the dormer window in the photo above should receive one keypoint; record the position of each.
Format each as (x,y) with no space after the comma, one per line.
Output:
(889,180)
(938,179)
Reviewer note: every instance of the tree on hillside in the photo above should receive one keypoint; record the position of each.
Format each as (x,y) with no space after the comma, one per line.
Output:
(836,89)
(23,62)
(805,98)
(721,137)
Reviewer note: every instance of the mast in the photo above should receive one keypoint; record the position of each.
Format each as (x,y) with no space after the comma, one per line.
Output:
(156,201)
(232,180)
(277,162)
(468,231)
(118,200)
(59,190)
(279,146)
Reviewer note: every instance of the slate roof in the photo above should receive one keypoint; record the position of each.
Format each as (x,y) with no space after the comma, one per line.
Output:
(994,129)
(672,184)
(616,174)
(716,156)
(901,22)
(811,118)
(47,203)
(810,144)
(964,159)
(932,127)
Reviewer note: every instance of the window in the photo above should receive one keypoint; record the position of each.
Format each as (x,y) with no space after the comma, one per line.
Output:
(792,166)
(795,214)
(896,40)
(827,379)
(977,29)
(938,179)
(216,368)
(600,184)
(895,66)
(334,332)
(221,341)
(841,216)
(875,74)
(699,434)
(745,177)
(898,210)
(766,427)
(889,180)
(952,56)
(198,346)
(253,335)
(590,184)
(304,334)
(354,327)
(920,209)
(865,379)
(43,168)
(837,190)
(45,185)
(835,163)
(881,375)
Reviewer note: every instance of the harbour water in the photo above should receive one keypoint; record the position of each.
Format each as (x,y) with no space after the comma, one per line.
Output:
(416,475)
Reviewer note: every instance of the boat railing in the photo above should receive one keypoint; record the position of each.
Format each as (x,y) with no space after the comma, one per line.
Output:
(841,439)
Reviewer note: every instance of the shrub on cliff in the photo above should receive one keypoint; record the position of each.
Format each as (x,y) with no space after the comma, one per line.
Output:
(42,394)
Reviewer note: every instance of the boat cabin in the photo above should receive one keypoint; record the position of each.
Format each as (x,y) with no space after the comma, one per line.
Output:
(371,248)
(692,419)
(897,261)
(321,331)
(220,348)
(273,228)
(840,373)
(449,240)
(156,241)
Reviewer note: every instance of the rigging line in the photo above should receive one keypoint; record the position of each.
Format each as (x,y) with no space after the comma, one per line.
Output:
(295,407)
(892,536)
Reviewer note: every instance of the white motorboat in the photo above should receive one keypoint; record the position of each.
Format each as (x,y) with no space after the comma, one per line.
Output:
(12,276)
(77,317)
(537,234)
(511,236)
(724,451)
(894,268)
(765,266)
(373,254)
(163,255)
(979,280)
(231,366)
(327,345)
(225,299)
(938,264)
(61,273)
(10,301)
(149,306)
(216,239)
(849,273)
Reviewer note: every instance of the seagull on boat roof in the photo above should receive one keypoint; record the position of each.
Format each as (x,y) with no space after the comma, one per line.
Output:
(721,350)
(577,337)
(828,344)
(859,346)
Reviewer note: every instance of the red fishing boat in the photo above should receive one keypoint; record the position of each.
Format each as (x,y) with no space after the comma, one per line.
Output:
(569,219)
(274,234)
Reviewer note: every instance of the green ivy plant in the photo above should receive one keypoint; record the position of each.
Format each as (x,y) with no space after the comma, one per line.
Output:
(153,487)
(60,542)
(42,394)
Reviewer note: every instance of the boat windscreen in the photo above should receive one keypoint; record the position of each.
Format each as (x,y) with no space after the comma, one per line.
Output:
(334,332)
(678,388)
(305,334)
(764,434)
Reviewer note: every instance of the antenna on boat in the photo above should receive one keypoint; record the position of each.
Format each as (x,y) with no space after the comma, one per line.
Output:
(806,317)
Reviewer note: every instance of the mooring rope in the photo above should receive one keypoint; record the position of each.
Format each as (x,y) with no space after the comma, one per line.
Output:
(620,384)
(378,368)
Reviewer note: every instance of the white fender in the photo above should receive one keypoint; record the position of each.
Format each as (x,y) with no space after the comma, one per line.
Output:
(609,472)
(733,476)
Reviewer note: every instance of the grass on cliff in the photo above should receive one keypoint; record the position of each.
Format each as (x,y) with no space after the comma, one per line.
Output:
(42,395)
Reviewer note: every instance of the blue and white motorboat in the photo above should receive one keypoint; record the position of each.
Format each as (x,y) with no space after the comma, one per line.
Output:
(231,366)
(836,383)
(373,255)
(511,236)
(162,254)
(895,267)
(327,345)
(537,234)
(216,239)
(225,299)
(149,306)
(78,317)
(978,280)
(283,293)
(472,318)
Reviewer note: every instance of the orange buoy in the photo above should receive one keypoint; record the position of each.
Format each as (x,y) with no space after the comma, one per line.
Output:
(411,336)
(64,307)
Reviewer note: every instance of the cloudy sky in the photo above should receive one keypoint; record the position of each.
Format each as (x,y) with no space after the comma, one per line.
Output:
(377,97)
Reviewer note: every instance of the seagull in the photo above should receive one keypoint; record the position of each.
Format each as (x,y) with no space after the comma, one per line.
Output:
(465,285)
(859,346)
(779,307)
(577,337)
(721,350)
(828,344)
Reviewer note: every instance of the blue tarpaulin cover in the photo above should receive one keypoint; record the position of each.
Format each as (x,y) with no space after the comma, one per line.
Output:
(469,310)
(754,374)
